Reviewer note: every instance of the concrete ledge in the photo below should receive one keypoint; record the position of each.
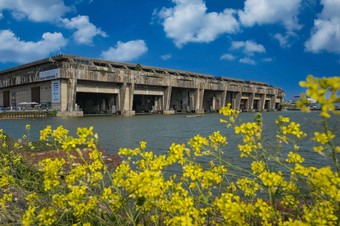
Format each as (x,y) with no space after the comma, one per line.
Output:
(70,114)
(169,112)
(128,113)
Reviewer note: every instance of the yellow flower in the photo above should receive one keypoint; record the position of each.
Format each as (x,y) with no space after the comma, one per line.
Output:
(47,216)
(294,158)
(323,138)
(28,127)
(324,90)
(257,167)
(29,216)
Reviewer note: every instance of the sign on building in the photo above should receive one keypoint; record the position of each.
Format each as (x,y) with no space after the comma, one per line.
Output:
(55,91)
(50,74)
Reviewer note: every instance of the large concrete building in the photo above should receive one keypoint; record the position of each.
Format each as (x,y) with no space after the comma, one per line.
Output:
(75,85)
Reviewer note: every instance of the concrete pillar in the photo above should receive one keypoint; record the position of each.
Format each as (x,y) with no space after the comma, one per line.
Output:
(262,102)
(251,102)
(126,99)
(237,100)
(71,94)
(192,97)
(131,93)
(213,103)
(167,100)
(199,101)
(224,98)
(111,103)
(272,103)
(229,99)
(159,103)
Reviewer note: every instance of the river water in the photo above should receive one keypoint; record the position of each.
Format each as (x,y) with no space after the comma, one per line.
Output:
(160,131)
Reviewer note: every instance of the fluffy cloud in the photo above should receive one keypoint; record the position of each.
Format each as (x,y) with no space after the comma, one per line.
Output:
(12,49)
(286,40)
(166,56)
(227,56)
(325,35)
(269,12)
(125,51)
(85,29)
(247,60)
(249,47)
(188,21)
(35,10)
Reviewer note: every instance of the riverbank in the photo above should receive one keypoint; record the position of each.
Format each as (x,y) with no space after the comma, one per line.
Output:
(27,114)
(110,160)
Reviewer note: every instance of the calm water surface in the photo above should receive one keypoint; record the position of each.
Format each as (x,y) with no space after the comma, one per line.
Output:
(160,131)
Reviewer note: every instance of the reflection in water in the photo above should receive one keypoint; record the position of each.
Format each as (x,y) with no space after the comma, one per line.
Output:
(160,131)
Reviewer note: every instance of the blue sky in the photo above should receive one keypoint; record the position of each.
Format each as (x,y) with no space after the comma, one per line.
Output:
(279,42)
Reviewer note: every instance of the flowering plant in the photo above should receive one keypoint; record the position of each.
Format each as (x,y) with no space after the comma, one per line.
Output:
(139,191)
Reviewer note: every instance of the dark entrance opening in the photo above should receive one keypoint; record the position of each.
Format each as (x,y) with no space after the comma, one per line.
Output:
(243,104)
(5,98)
(277,106)
(256,104)
(35,94)
(146,104)
(211,100)
(182,100)
(97,103)
(266,104)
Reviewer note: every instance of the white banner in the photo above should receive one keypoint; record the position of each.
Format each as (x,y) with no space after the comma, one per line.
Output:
(55,91)
(50,74)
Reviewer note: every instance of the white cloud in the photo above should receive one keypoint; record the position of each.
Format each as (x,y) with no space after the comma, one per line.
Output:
(227,56)
(286,40)
(247,60)
(325,35)
(35,10)
(188,21)
(125,51)
(249,47)
(166,57)
(12,49)
(269,12)
(268,59)
(85,29)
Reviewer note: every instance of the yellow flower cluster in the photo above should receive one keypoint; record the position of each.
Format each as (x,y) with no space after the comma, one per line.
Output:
(232,114)
(251,133)
(319,89)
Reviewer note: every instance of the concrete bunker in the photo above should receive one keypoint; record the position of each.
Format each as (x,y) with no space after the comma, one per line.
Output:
(69,83)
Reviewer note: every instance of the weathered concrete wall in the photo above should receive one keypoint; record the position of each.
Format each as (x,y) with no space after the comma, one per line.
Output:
(173,90)
(20,94)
